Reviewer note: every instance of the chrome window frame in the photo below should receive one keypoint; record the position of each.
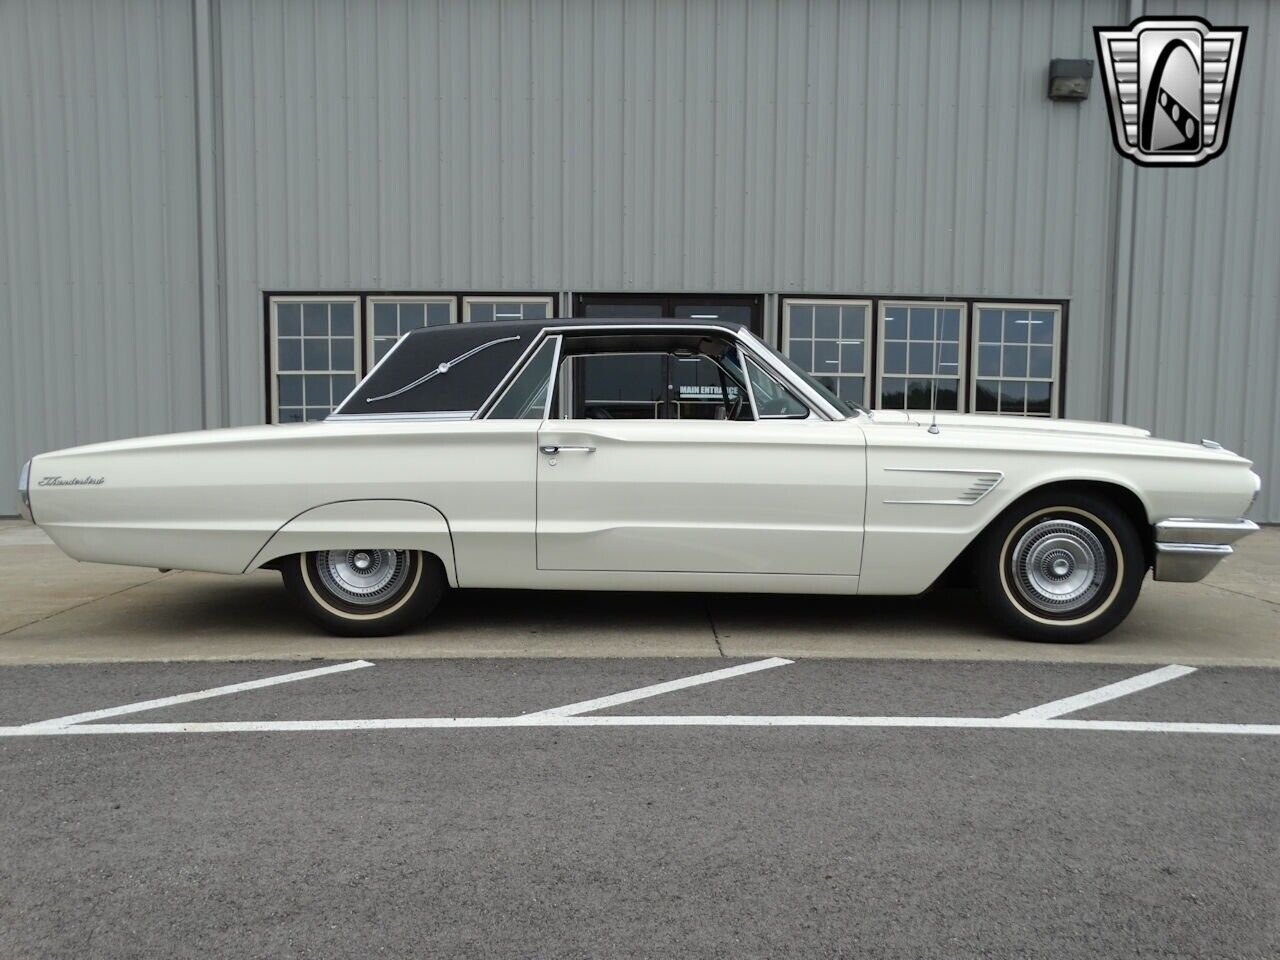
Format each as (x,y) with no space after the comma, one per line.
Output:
(523,364)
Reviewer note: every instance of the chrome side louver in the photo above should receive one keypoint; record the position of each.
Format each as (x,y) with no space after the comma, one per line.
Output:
(970,485)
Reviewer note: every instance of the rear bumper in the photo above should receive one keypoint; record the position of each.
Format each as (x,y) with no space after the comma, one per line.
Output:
(1187,549)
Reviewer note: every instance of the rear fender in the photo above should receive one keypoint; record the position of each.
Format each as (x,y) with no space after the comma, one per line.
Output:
(355,524)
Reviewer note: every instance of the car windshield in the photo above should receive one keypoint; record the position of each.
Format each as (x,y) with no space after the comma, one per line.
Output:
(849,408)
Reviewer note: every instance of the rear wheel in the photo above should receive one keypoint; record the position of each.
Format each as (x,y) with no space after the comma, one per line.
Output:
(365,593)
(1060,567)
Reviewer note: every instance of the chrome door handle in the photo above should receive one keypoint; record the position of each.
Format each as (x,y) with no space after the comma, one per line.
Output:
(551,450)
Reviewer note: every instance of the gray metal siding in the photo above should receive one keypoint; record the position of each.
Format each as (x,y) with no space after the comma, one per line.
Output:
(97,245)
(763,146)
(1203,332)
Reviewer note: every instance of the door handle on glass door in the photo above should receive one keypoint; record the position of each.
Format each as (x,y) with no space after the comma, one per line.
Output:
(551,450)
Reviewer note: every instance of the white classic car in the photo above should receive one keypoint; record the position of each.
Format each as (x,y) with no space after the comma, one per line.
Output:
(649,455)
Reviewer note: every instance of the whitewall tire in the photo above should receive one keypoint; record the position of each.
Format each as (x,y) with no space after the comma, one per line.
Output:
(1060,566)
(367,592)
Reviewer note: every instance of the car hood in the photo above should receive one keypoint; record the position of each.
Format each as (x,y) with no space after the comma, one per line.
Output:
(1014,424)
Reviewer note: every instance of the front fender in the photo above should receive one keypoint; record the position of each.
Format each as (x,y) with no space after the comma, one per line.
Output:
(353,524)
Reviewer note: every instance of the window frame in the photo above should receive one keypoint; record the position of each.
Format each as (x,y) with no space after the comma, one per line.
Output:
(371,300)
(1055,366)
(962,367)
(273,340)
(868,338)
(464,314)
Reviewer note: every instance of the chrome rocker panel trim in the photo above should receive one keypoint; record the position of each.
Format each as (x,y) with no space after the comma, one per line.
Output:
(1187,548)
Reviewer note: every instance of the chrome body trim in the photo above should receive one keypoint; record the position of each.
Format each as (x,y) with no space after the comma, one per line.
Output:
(1188,548)
(984,482)
(24,493)
(1187,530)
(377,417)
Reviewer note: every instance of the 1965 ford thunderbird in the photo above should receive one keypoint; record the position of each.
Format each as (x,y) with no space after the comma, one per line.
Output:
(649,455)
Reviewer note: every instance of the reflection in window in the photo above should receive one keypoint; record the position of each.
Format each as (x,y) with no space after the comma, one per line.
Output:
(480,310)
(316,357)
(828,338)
(773,399)
(392,318)
(1015,366)
(920,359)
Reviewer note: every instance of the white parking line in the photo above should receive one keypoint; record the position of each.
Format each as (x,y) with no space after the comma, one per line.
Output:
(641,693)
(471,723)
(1111,691)
(76,718)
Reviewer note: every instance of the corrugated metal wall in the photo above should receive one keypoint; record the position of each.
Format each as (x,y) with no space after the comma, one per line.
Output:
(1202,338)
(98,273)
(766,146)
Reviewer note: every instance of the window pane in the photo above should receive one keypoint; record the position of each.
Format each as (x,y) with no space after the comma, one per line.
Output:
(921,360)
(317,390)
(290,415)
(949,324)
(289,354)
(315,319)
(772,397)
(289,320)
(290,391)
(985,400)
(989,325)
(895,323)
(895,358)
(480,312)
(988,361)
(893,392)
(343,355)
(852,388)
(437,314)
(853,323)
(826,356)
(535,311)
(922,323)
(826,322)
(850,357)
(526,398)
(949,358)
(1015,362)
(1013,396)
(919,394)
(384,320)
(801,321)
(412,317)
(1015,326)
(1041,364)
(947,395)
(1041,326)
(342,319)
(1038,397)
(315,354)
(801,351)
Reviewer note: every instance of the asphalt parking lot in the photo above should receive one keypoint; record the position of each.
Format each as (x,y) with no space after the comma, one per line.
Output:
(565,808)
(608,775)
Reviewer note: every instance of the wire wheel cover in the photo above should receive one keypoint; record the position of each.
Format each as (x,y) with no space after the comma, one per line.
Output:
(363,577)
(1059,566)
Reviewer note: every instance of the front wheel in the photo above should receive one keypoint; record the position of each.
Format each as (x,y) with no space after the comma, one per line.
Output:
(365,593)
(1060,567)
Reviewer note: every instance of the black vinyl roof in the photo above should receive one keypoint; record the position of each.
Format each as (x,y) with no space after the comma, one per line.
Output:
(457,367)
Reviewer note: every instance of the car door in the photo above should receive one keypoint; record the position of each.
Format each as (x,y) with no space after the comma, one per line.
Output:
(768,496)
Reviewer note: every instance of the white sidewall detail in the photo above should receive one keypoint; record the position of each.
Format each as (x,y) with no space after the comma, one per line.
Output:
(1102,608)
(347,615)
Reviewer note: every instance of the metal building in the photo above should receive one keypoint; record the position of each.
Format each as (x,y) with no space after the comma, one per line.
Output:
(219,211)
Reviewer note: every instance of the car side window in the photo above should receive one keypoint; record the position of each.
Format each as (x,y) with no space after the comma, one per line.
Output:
(526,396)
(774,401)
(653,386)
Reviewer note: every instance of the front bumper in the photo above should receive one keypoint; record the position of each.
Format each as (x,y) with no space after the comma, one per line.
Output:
(1187,549)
